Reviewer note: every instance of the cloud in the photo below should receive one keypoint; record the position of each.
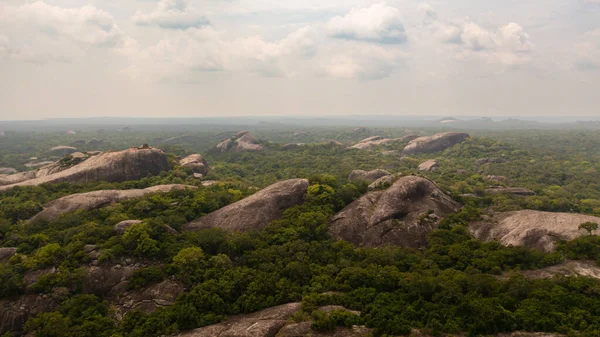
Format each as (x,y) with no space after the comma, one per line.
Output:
(371,62)
(508,44)
(377,23)
(205,49)
(171,14)
(587,51)
(39,32)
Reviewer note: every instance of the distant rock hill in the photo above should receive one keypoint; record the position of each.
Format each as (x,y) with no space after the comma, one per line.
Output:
(96,199)
(256,211)
(370,142)
(241,142)
(437,142)
(131,164)
(534,229)
(401,215)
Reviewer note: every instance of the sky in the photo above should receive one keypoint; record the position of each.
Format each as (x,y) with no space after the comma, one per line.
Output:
(196,58)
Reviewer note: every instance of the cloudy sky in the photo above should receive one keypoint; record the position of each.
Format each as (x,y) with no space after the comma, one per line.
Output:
(78,58)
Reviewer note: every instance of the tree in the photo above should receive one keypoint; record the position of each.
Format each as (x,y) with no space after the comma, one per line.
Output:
(589,226)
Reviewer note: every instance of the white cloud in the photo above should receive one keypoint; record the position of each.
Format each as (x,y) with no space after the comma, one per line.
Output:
(171,14)
(206,49)
(39,32)
(365,62)
(587,51)
(377,23)
(509,44)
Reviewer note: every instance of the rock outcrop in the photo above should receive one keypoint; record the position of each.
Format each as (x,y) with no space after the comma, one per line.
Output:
(437,142)
(399,215)
(6,253)
(97,199)
(429,165)
(533,229)
(7,170)
(383,182)
(510,190)
(370,142)
(147,300)
(569,268)
(265,323)
(196,163)
(256,211)
(62,150)
(15,312)
(367,176)
(131,164)
(122,226)
(241,142)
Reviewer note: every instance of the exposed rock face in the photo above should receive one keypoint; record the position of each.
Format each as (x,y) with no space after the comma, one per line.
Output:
(7,170)
(97,199)
(243,141)
(395,216)
(494,160)
(38,164)
(428,166)
(256,211)
(532,229)
(570,268)
(383,182)
(122,226)
(180,139)
(62,150)
(304,329)
(131,164)
(15,312)
(6,253)
(196,162)
(149,299)
(510,190)
(292,146)
(437,142)
(368,143)
(107,280)
(368,176)
(265,323)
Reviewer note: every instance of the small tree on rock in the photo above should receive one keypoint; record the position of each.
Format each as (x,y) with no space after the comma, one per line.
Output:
(589,226)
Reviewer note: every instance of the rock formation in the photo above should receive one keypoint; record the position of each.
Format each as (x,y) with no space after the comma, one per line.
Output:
(367,176)
(263,323)
(122,226)
(398,215)
(430,165)
(383,182)
(15,312)
(510,190)
(6,253)
(96,199)
(494,160)
(147,300)
(368,143)
(256,211)
(131,164)
(7,170)
(195,162)
(62,150)
(241,142)
(292,146)
(437,142)
(569,268)
(532,229)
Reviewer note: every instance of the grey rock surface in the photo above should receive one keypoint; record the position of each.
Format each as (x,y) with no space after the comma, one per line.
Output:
(131,164)
(196,162)
(256,211)
(437,142)
(367,176)
(429,165)
(241,142)
(98,199)
(397,216)
(533,229)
